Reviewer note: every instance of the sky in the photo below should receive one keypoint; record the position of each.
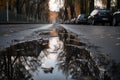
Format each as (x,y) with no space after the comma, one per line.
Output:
(98,3)
(56,5)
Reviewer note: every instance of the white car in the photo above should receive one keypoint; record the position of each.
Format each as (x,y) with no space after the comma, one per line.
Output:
(116,17)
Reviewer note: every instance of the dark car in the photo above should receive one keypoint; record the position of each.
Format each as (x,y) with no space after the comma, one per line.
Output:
(81,19)
(116,17)
(100,16)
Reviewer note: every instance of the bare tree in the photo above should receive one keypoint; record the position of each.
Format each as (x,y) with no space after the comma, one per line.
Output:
(19,5)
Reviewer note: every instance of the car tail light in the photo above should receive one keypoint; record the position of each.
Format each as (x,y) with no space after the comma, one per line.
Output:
(97,14)
(111,13)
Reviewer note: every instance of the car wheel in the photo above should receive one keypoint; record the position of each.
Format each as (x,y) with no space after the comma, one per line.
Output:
(114,22)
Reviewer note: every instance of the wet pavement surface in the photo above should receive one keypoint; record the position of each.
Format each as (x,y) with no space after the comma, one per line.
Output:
(105,38)
(54,53)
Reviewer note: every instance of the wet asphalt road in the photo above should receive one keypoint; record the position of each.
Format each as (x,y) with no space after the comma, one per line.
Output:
(7,29)
(105,38)
(19,32)
(61,51)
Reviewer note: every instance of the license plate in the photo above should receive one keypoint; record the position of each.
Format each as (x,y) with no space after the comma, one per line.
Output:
(104,18)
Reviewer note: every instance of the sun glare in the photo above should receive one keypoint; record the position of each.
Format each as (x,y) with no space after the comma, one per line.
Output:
(56,5)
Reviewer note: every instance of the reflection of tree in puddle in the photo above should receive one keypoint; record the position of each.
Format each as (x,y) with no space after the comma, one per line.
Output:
(77,63)
(18,59)
(72,58)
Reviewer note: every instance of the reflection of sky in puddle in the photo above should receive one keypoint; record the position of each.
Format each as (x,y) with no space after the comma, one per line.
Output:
(50,60)
(54,43)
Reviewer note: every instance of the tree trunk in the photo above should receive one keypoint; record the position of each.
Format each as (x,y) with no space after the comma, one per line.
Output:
(66,13)
(91,5)
(108,4)
(19,5)
(82,6)
(118,4)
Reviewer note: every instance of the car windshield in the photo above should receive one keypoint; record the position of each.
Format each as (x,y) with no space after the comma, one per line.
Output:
(104,12)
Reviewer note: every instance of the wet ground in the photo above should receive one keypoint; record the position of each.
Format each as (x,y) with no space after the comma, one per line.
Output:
(105,38)
(55,53)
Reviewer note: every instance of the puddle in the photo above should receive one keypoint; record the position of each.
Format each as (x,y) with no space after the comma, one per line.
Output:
(60,57)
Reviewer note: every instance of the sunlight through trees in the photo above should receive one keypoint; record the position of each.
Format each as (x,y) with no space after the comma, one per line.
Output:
(39,10)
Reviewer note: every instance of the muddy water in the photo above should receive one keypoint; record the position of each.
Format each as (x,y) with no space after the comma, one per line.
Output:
(61,57)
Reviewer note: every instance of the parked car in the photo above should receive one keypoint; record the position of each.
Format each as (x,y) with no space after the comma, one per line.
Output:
(100,16)
(116,17)
(81,19)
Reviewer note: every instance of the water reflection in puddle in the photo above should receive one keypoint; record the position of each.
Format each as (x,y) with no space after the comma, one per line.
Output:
(50,61)
(65,62)
(59,58)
